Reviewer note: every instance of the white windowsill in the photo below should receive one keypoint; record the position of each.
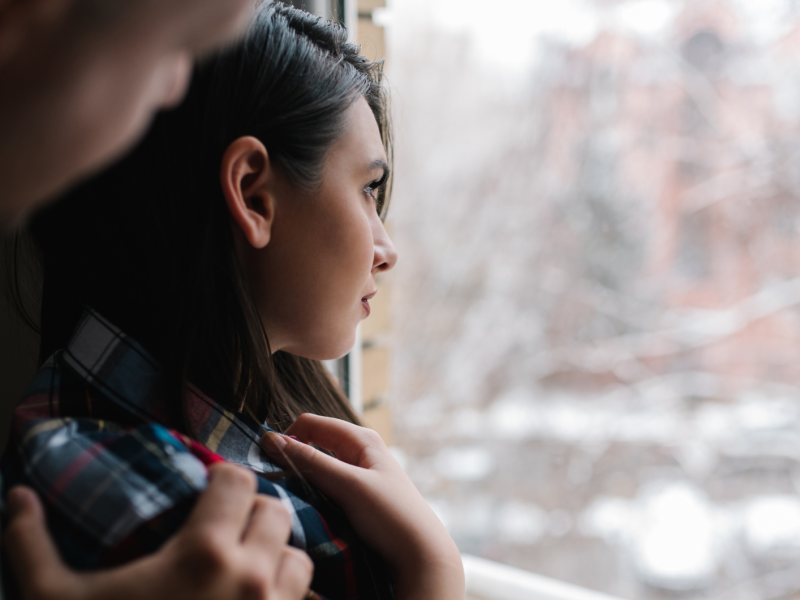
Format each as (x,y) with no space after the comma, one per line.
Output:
(489,580)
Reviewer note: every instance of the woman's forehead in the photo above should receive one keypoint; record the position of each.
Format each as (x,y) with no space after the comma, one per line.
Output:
(361,138)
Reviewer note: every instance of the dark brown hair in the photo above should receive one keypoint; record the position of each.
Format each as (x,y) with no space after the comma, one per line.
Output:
(148,242)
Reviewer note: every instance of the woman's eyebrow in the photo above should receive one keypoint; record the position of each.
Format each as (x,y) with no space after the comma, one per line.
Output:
(380,164)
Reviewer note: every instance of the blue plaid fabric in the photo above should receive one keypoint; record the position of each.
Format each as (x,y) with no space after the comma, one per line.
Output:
(90,436)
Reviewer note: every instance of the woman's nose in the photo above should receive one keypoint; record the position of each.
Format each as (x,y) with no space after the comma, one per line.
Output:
(385,253)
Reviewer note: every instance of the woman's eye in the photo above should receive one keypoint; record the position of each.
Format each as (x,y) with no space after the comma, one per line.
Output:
(372,189)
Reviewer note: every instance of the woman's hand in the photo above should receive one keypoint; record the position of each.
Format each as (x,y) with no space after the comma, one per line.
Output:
(383,506)
(233,546)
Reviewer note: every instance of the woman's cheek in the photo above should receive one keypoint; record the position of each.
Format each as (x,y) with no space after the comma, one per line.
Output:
(367,243)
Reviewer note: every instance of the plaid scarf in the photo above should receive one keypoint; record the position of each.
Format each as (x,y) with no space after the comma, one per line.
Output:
(91,437)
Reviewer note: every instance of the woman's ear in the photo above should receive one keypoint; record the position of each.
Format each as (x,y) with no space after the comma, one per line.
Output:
(246,177)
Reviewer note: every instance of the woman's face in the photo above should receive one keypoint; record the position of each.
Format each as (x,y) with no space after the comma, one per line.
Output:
(313,280)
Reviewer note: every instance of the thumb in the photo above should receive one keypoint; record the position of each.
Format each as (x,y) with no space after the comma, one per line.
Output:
(328,474)
(29,547)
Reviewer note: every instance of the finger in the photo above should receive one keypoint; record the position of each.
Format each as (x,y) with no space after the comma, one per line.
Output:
(28,545)
(269,529)
(295,572)
(350,442)
(224,507)
(329,474)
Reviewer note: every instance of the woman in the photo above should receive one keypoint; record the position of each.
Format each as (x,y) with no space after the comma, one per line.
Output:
(241,247)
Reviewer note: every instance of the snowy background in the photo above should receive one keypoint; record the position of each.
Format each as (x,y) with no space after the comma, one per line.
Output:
(596,308)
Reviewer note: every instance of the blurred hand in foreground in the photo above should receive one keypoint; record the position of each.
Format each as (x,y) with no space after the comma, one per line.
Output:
(233,546)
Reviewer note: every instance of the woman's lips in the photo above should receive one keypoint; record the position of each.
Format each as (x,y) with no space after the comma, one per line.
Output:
(365,301)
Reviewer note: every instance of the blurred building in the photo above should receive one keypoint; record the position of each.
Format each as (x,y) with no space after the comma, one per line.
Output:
(596,305)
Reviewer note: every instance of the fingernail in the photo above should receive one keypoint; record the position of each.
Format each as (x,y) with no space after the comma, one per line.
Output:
(272,441)
(292,437)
